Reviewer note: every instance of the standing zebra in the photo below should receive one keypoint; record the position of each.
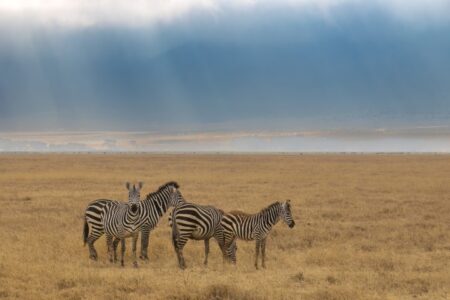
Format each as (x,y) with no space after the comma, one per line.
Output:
(151,210)
(93,216)
(155,206)
(197,222)
(254,227)
(122,220)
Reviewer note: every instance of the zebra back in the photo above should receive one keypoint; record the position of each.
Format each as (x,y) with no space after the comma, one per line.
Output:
(197,221)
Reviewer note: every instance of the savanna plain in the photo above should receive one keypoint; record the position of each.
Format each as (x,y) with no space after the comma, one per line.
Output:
(367,226)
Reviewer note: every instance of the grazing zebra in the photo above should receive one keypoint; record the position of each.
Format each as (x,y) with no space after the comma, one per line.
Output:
(254,227)
(152,208)
(197,222)
(122,220)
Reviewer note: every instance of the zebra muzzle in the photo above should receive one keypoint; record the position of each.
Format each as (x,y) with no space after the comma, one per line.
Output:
(292,224)
(134,208)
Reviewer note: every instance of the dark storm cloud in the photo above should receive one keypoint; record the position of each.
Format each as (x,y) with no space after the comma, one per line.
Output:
(262,68)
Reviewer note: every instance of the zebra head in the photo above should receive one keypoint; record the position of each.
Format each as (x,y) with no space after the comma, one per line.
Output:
(175,195)
(134,195)
(231,252)
(287,214)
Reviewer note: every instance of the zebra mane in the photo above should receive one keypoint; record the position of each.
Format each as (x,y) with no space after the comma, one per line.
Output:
(268,208)
(239,213)
(168,184)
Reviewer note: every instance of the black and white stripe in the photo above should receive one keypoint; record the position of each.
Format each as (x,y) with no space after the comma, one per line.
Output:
(154,207)
(197,222)
(93,217)
(121,221)
(254,227)
(151,210)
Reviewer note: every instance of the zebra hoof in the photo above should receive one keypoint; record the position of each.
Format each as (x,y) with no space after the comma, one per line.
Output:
(135,264)
(93,257)
(143,257)
(122,263)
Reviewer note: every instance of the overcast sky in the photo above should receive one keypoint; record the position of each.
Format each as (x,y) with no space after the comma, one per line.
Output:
(234,65)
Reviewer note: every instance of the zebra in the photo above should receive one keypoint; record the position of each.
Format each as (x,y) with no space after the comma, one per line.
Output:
(122,220)
(197,222)
(156,205)
(249,227)
(94,215)
(152,208)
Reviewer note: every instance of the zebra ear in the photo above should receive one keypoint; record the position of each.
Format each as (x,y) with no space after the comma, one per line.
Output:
(127,185)
(140,184)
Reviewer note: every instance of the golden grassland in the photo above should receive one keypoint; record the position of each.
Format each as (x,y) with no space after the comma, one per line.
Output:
(368,227)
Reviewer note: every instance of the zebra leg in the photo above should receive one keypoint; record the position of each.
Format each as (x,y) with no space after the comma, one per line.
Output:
(263,252)
(135,237)
(258,246)
(109,244)
(115,244)
(179,245)
(145,234)
(110,247)
(93,236)
(225,254)
(122,252)
(206,252)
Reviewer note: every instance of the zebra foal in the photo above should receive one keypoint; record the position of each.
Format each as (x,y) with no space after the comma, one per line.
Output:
(256,227)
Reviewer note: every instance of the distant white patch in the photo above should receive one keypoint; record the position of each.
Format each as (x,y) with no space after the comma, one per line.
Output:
(430,140)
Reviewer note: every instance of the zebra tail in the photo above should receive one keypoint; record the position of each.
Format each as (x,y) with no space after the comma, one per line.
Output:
(85,231)
(175,232)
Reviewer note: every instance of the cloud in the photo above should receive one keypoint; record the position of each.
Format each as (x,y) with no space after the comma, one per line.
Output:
(86,13)
(221,64)
(102,12)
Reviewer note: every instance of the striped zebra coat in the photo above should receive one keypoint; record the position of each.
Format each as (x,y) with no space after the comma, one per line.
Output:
(95,214)
(197,222)
(156,205)
(150,211)
(121,220)
(256,227)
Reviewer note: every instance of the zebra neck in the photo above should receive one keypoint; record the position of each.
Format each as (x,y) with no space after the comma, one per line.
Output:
(160,201)
(132,215)
(271,217)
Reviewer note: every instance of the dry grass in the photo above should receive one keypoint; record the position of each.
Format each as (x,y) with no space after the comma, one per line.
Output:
(368,227)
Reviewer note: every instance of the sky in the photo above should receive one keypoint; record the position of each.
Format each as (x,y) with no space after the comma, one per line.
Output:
(176,66)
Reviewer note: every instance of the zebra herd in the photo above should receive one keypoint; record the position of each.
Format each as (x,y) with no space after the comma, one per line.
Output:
(119,220)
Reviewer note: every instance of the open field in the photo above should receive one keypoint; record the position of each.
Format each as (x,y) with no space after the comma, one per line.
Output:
(368,227)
